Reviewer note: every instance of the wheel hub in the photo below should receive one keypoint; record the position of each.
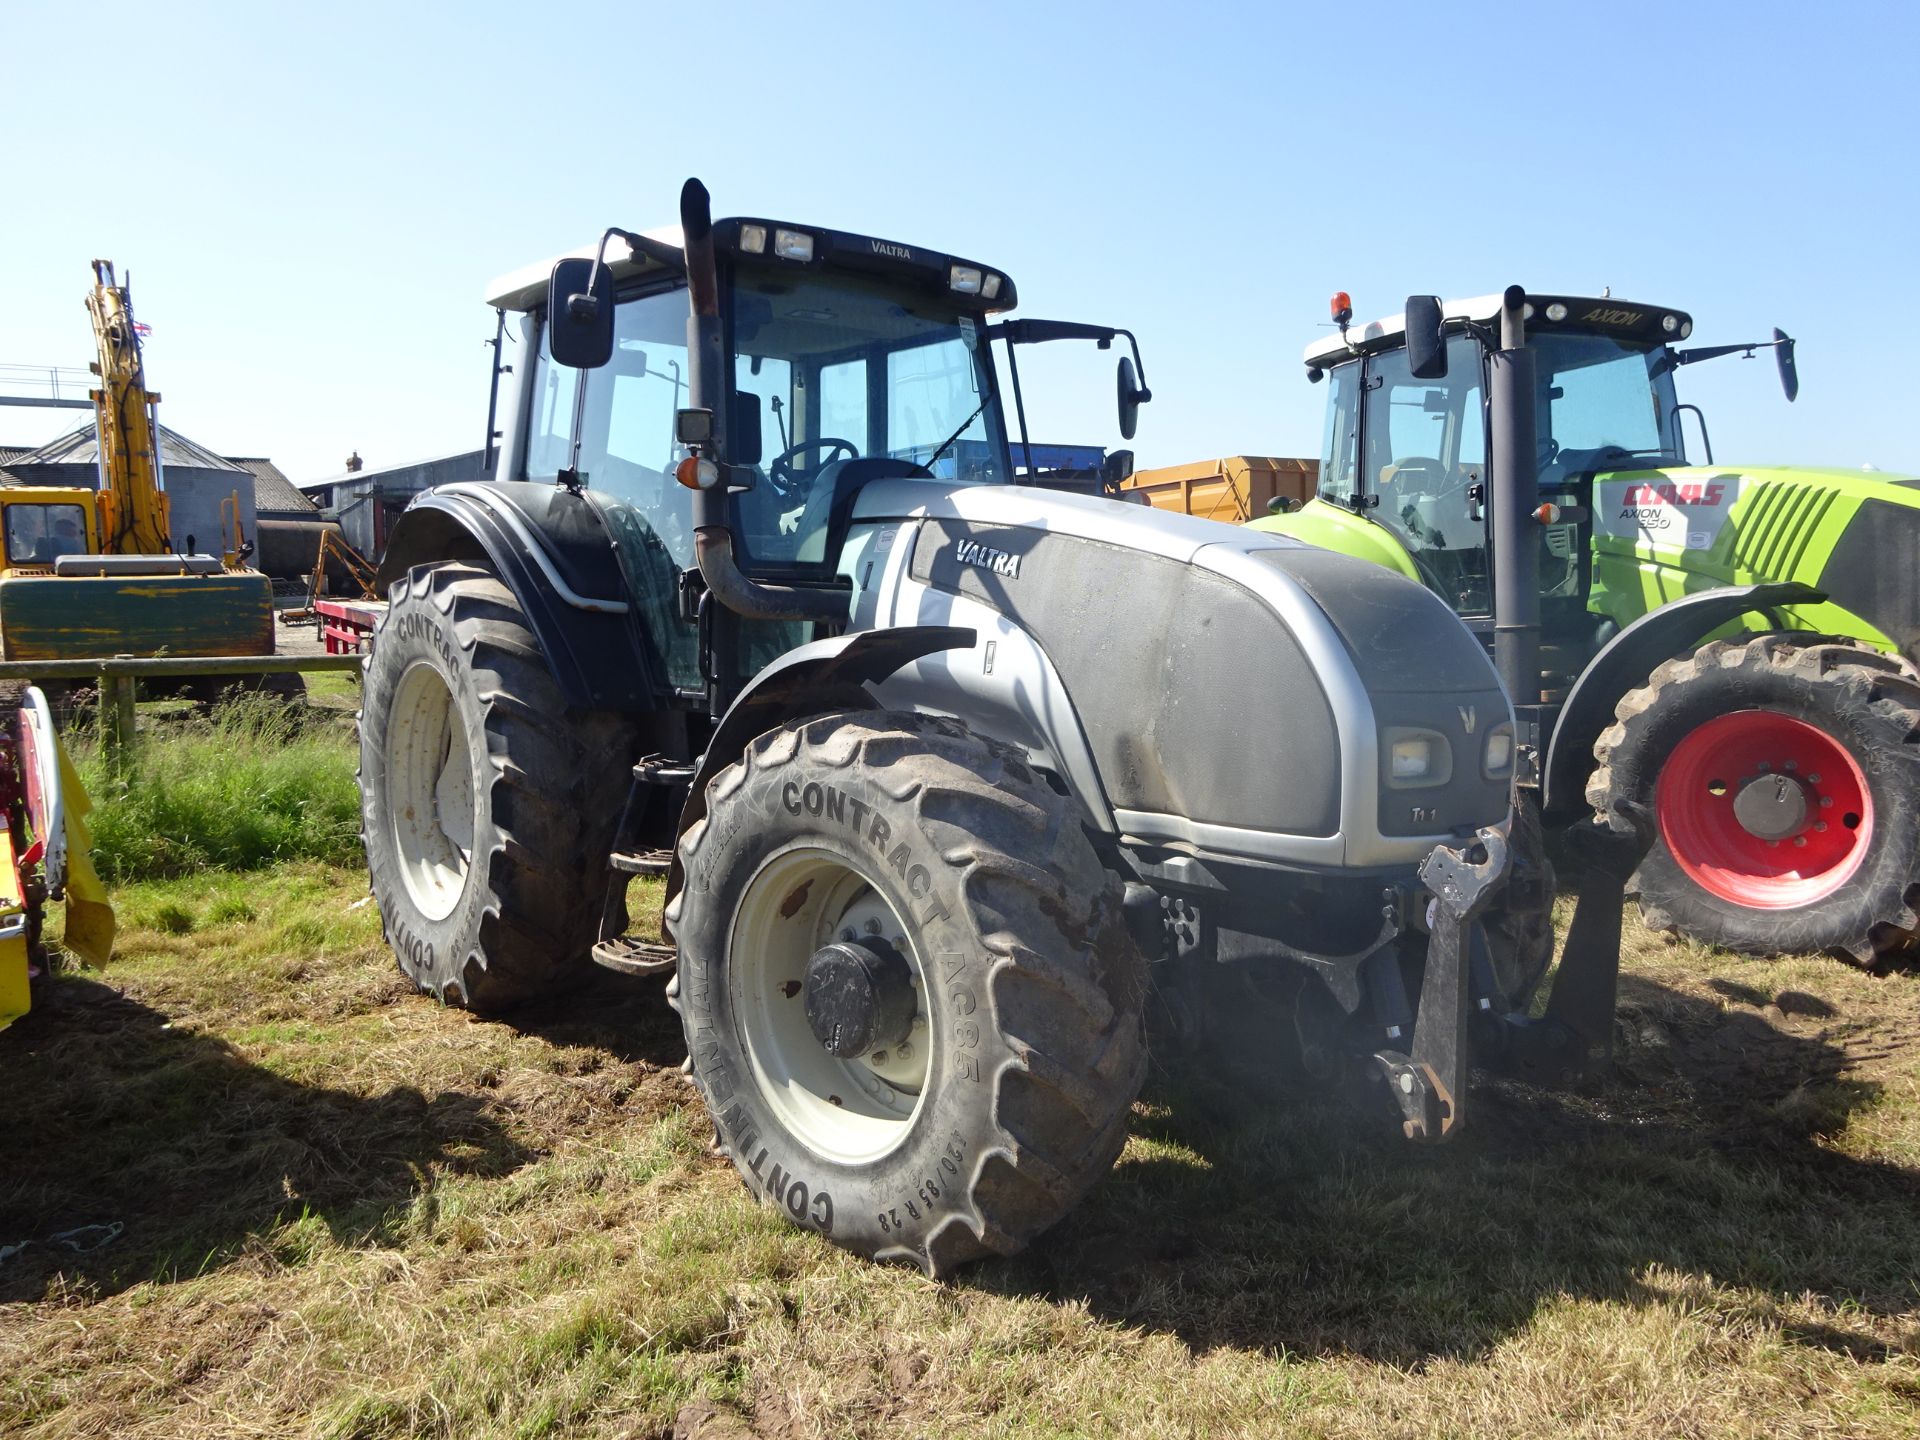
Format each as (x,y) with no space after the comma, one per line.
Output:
(1764,810)
(859,997)
(1772,807)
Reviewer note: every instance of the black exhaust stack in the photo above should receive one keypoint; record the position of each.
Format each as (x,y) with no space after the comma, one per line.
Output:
(1515,496)
(707,389)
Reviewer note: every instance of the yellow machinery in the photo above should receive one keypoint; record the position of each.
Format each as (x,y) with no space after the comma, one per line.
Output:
(85,574)
(1235,490)
(43,854)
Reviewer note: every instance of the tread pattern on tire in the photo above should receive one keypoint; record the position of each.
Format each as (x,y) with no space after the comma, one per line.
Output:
(1886,686)
(551,772)
(1073,1014)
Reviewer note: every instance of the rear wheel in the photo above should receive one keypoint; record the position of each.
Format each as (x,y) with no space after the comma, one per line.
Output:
(487,809)
(1783,775)
(912,1005)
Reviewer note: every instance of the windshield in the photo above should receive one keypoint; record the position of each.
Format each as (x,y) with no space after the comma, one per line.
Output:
(1598,398)
(834,367)
(41,534)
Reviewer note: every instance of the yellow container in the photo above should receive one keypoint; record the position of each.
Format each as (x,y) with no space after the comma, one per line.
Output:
(1235,490)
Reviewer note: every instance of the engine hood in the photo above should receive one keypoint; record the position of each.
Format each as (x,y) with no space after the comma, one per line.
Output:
(1236,690)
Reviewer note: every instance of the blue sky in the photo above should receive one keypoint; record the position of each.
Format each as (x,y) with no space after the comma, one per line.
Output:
(311,199)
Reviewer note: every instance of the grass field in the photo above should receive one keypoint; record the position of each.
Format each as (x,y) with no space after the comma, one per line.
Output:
(344,1211)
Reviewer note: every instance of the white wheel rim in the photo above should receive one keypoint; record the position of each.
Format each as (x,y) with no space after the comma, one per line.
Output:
(430,771)
(850,1111)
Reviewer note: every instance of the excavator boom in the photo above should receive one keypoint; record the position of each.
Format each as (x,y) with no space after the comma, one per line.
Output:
(133,502)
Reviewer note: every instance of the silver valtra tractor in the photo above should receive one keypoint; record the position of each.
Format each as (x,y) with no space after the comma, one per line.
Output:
(945,773)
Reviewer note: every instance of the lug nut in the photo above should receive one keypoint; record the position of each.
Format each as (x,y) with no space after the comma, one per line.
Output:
(1800,842)
(1826,802)
(1790,766)
(1813,779)
(1820,825)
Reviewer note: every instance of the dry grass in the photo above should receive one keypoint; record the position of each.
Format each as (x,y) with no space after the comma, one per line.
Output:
(351,1213)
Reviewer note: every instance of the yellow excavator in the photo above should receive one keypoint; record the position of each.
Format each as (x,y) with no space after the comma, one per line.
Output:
(86,574)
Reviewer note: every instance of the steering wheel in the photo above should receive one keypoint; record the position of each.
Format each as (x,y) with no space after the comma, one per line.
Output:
(780,472)
(1548,452)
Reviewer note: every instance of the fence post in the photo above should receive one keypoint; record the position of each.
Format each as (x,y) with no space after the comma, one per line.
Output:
(117,719)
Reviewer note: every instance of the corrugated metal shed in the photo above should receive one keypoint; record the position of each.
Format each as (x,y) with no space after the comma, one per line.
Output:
(274,494)
(82,447)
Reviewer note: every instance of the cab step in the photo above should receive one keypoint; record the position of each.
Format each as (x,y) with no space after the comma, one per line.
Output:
(641,862)
(633,957)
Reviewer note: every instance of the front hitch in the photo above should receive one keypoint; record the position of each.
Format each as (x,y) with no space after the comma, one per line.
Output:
(1574,1038)
(1430,1085)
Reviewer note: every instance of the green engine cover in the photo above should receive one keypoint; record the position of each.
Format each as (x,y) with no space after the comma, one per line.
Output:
(1660,534)
(48,617)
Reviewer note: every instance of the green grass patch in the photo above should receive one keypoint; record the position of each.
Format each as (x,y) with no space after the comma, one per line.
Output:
(253,783)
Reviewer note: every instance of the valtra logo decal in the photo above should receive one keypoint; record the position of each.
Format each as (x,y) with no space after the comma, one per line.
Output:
(972,552)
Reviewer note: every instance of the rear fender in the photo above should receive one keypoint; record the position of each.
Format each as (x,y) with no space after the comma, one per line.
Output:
(1627,660)
(552,549)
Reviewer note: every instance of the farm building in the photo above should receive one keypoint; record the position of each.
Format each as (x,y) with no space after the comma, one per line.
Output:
(366,502)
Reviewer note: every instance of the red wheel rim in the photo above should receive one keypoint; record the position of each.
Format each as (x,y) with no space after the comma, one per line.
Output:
(1813,856)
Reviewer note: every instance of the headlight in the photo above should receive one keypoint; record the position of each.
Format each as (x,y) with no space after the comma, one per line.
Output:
(1411,760)
(1498,758)
(793,244)
(1417,758)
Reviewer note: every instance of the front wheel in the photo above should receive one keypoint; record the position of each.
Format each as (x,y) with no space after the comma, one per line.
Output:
(1783,776)
(912,1006)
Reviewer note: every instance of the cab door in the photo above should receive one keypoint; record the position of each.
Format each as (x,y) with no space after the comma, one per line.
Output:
(1423,470)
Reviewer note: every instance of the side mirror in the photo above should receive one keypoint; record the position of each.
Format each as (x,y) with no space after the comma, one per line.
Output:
(1789,372)
(1426,344)
(1132,396)
(580,314)
(1114,469)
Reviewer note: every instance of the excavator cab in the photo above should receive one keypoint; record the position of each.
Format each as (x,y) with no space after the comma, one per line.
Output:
(39,525)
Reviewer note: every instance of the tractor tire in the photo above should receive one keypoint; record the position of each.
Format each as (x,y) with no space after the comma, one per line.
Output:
(487,810)
(948,858)
(1783,777)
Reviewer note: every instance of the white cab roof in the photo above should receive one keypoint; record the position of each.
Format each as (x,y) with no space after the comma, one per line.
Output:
(526,287)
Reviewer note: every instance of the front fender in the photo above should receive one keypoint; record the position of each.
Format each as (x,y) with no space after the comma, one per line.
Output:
(830,674)
(1627,660)
(552,550)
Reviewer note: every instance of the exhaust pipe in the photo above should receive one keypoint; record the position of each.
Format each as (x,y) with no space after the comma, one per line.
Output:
(708,389)
(1516,529)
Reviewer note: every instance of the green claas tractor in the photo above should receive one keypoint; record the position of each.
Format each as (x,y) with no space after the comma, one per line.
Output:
(1727,652)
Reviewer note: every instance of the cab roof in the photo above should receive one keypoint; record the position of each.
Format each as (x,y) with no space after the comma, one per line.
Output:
(1602,315)
(526,288)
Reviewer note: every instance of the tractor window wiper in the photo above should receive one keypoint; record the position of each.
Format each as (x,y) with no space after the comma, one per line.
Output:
(928,462)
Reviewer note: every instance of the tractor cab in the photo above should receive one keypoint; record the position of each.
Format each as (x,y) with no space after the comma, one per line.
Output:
(1409,453)
(1404,474)
(847,359)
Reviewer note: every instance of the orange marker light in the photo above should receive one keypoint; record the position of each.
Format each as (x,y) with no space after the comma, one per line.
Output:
(1547,514)
(1342,307)
(695,473)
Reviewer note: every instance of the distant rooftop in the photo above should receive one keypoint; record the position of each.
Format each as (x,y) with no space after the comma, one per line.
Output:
(272,490)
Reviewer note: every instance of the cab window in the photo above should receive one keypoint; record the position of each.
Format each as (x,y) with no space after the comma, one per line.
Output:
(1423,460)
(1340,445)
(40,534)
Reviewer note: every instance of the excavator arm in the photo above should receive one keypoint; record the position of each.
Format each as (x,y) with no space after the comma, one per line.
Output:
(133,501)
